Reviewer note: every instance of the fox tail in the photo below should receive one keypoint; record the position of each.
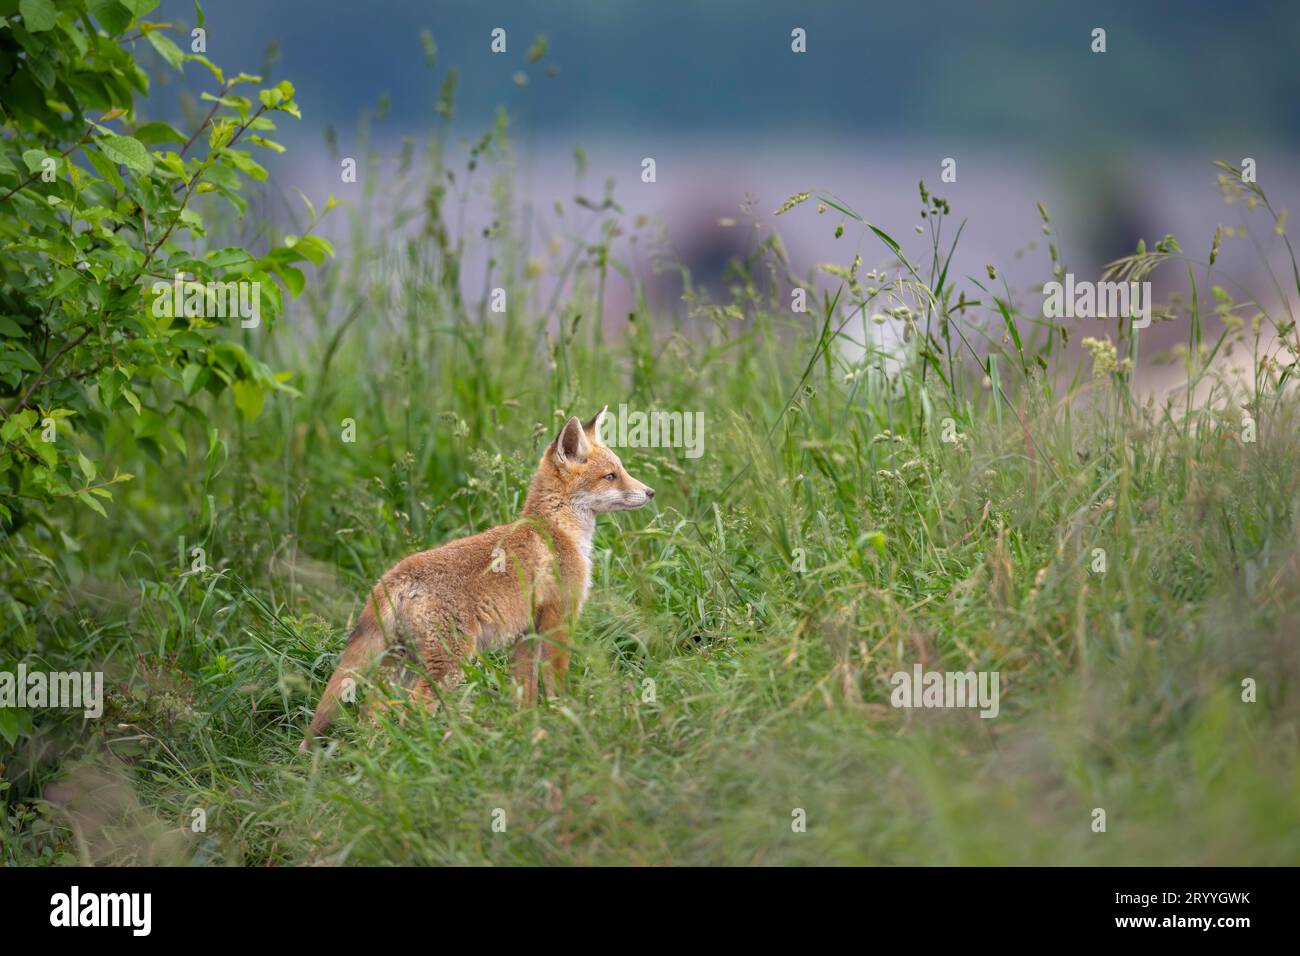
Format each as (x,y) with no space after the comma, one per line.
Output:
(364,647)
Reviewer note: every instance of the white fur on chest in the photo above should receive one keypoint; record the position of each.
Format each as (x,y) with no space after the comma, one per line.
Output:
(586,575)
(584,551)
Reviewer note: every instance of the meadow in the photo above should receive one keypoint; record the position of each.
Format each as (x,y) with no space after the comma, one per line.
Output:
(915,470)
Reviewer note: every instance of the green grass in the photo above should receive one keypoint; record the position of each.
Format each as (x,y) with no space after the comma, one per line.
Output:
(1120,690)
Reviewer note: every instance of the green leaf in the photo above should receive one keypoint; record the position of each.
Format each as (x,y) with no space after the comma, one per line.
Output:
(130,396)
(87,466)
(76,36)
(314,248)
(222,133)
(38,15)
(190,377)
(110,386)
(106,168)
(33,158)
(246,164)
(45,449)
(13,722)
(212,67)
(113,15)
(168,50)
(91,502)
(128,151)
(249,398)
(63,281)
(887,240)
(15,425)
(159,132)
(293,278)
(228,257)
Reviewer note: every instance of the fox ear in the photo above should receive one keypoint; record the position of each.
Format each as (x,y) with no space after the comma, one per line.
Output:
(571,445)
(592,427)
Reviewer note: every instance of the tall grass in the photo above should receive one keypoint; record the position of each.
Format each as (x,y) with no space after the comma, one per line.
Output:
(731,666)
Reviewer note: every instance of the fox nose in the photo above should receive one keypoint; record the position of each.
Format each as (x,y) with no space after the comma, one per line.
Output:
(649,492)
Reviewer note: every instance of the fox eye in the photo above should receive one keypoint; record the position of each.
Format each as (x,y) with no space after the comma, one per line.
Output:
(611,476)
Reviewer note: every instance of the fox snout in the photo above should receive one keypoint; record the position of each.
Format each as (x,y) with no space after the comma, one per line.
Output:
(625,493)
(638,497)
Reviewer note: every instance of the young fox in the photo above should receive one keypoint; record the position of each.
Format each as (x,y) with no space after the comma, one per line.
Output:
(490,589)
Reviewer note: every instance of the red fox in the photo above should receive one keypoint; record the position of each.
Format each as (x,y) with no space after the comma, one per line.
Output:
(490,589)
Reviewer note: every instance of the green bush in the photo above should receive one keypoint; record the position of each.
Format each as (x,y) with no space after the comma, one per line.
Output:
(101,235)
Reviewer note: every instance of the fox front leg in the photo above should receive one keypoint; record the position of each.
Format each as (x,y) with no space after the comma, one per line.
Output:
(551,622)
(526,661)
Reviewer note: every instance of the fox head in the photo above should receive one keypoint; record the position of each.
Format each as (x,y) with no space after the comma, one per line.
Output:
(589,475)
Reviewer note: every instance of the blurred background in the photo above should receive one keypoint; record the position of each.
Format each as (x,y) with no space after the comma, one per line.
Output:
(1118,145)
